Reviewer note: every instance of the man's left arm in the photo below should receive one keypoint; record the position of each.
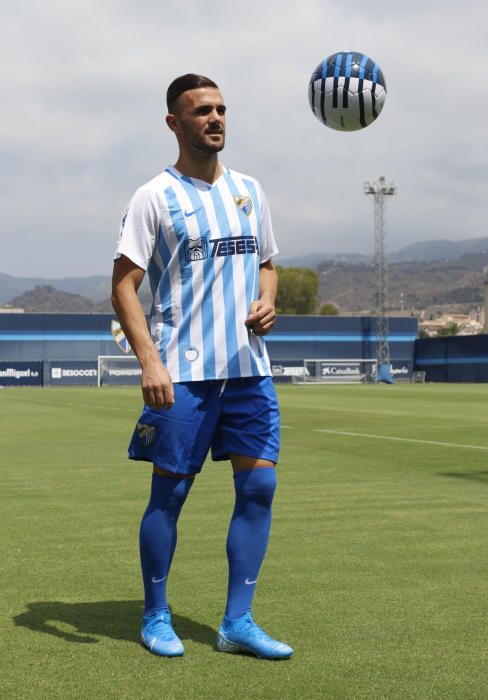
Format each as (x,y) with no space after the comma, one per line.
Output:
(262,314)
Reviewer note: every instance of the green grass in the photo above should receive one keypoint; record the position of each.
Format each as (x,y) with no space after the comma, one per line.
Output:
(377,572)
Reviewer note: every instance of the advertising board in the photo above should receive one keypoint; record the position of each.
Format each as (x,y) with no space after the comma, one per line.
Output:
(69,372)
(20,373)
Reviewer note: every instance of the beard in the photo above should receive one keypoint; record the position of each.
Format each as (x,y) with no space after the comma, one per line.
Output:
(202,143)
(208,146)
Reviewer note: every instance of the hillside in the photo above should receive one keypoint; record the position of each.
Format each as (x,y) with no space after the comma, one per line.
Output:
(429,251)
(413,285)
(348,282)
(47,299)
(97,288)
(94,288)
(423,251)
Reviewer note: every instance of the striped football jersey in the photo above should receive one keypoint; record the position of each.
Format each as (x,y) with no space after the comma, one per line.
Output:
(201,245)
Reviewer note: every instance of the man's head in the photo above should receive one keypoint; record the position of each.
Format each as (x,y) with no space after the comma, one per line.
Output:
(190,81)
(196,113)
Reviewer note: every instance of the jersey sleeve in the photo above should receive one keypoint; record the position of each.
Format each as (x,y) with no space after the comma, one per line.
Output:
(268,247)
(139,228)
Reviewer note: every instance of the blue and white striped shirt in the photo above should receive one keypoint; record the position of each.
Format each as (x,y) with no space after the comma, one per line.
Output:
(201,245)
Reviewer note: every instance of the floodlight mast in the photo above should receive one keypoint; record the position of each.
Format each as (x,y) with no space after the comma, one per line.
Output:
(485,270)
(378,190)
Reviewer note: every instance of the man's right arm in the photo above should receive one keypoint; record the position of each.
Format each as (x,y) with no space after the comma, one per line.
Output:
(156,384)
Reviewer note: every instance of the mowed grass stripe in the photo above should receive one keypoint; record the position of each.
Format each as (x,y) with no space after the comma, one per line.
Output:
(400,439)
(376,571)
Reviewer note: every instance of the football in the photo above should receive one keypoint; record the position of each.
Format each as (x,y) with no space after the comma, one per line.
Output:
(347,91)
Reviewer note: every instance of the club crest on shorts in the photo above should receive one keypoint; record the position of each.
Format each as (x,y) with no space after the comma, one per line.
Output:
(244,204)
(196,249)
(119,336)
(146,433)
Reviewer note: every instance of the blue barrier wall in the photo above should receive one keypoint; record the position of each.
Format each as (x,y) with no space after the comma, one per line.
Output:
(82,337)
(346,337)
(56,336)
(32,338)
(461,358)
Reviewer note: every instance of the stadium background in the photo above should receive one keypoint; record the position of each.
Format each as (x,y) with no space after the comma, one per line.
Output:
(43,349)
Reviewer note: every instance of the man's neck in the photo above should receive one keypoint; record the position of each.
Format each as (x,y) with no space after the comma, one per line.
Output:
(205,167)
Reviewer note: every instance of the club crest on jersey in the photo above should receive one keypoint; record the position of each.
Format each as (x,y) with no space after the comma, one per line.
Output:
(146,433)
(196,249)
(244,204)
(119,336)
(191,353)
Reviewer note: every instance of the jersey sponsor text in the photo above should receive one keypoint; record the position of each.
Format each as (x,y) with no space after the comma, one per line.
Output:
(234,245)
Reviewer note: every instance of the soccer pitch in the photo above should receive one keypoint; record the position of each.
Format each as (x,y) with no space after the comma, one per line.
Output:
(377,571)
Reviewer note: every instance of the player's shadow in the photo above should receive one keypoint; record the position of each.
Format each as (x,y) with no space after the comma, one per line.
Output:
(481,475)
(117,619)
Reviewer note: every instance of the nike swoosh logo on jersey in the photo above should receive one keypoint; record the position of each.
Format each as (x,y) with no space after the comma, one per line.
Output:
(249,583)
(190,213)
(158,580)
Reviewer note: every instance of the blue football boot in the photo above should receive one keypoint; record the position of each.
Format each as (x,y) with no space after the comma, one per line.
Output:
(244,635)
(158,635)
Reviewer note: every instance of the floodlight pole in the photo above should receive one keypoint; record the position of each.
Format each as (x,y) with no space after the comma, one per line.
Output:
(485,270)
(379,190)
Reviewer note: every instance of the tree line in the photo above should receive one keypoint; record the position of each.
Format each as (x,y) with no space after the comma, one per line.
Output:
(297,292)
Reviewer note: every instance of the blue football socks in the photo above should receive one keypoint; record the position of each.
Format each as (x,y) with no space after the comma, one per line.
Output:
(158,537)
(248,536)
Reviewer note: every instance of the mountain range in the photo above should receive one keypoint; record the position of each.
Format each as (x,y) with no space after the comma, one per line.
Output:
(422,274)
(423,251)
(95,288)
(412,285)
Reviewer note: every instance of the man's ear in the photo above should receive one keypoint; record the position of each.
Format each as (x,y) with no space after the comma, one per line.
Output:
(172,122)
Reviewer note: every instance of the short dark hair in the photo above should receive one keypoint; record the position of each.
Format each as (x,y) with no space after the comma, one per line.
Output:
(189,81)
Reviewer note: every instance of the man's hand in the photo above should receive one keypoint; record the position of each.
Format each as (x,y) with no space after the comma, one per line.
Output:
(262,317)
(156,384)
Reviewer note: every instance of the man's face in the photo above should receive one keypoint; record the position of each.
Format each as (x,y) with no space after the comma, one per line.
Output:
(198,119)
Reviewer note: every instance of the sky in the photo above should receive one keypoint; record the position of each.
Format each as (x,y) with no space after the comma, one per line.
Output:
(83,112)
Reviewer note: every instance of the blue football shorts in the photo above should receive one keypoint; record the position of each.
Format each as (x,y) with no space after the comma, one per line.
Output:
(234,416)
